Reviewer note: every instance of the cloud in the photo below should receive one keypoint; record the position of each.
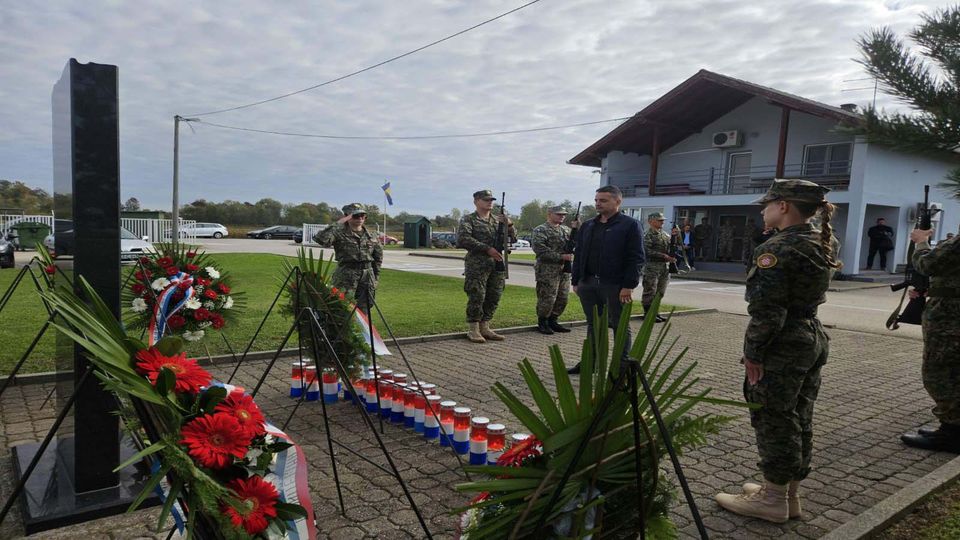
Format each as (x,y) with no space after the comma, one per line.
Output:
(552,63)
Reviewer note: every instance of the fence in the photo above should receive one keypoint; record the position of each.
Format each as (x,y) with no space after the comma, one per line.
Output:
(159,230)
(310,230)
(9,220)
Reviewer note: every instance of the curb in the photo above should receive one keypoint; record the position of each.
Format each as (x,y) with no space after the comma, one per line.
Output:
(458,257)
(880,516)
(51,376)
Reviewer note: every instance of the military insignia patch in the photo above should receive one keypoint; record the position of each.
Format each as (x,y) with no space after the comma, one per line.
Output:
(767,260)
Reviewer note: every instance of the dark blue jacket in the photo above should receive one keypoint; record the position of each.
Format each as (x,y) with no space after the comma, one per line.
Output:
(621,252)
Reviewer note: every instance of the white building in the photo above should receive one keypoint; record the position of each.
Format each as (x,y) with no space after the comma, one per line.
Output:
(711,145)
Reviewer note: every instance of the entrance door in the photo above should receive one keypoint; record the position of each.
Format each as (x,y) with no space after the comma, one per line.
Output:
(739,222)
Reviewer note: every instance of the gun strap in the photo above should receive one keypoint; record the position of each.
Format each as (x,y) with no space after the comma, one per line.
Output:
(892,321)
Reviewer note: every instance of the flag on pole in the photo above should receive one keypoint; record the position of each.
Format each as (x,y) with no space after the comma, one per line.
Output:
(387,193)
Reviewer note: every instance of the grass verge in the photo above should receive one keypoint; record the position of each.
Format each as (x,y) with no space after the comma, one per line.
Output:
(936,519)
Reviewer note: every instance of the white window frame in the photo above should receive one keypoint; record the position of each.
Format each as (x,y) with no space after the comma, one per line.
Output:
(827,159)
(730,176)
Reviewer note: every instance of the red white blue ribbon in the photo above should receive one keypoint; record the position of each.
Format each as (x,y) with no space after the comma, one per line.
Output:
(379,346)
(163,309)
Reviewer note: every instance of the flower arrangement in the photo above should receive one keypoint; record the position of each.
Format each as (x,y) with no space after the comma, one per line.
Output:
(177,290)
(600,498)
(211,442)
(333,307)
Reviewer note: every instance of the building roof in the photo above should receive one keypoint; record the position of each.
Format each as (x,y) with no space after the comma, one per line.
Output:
(416,219)
(689,107)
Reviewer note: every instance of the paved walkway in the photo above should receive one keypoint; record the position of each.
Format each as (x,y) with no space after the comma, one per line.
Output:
(871,393)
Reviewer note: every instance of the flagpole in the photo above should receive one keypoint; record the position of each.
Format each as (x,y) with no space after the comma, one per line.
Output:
(384,218)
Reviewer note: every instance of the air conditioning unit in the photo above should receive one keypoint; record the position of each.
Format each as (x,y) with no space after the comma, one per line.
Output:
(726,139)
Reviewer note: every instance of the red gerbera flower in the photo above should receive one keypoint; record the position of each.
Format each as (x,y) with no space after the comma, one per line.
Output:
(212,440)
(141,275)
(164,261)
(343,296)
(224,288)
(258,500)
(520,452)
(191,254)
(138,288)
(210,293)
(191,267)
(247,412)
(144,260)
(334,291)
(172,270)
(50,269)
(189,376)
(216,321)
(201,314)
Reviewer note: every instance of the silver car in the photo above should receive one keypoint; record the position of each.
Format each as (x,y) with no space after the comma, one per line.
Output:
(202,230)
(131,246)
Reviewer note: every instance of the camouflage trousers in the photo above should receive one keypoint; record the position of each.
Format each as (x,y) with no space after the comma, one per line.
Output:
(484,286)
(553,289)
(358,282)
(655,280)
(725,248)
(786,393)
(941,357)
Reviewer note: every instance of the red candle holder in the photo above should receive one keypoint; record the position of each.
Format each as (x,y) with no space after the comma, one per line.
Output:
(446,411)
(461,418)
(496,437)
(478,428)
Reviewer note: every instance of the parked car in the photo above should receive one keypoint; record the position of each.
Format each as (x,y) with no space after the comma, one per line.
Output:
(520,243)
(6,253)
(277,231)
(132,247)
(443,240)
(387,239)
(202,230)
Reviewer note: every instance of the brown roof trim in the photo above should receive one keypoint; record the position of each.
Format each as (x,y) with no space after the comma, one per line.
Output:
(653,114)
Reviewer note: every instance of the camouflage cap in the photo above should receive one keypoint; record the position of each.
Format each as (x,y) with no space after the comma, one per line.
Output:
(655,215)
(483,194)
(557,210)
(794,190)
(354,208)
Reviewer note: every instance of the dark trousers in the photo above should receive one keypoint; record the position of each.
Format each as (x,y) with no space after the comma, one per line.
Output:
(883,257)
(594,294)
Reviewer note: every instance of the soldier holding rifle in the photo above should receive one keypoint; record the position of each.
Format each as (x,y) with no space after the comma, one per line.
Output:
(484,266)
(552,270)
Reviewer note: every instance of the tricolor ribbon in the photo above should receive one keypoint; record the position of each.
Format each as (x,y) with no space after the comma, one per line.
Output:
(379,346)
(163,310)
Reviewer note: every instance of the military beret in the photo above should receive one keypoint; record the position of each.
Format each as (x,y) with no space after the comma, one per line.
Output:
(483,194)
(794,190)
(655,215)
(354,208)
(557,210)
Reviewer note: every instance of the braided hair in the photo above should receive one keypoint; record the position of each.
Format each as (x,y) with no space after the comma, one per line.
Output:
(826,210)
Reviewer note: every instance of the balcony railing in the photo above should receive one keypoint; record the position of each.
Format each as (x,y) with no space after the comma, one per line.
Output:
(716,181)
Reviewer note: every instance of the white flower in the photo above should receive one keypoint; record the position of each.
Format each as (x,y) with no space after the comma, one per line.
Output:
(228,302)
(193,336)
(204,324)
(198,289)
(212,272)
(160,284)
(193,303)
(253,454)
(138,305)
(209,305)
(268,439)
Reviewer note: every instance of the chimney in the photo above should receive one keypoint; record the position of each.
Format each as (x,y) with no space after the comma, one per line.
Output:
(849,107)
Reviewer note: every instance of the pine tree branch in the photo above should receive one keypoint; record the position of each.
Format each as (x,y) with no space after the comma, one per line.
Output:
(952,183)
(901,73)
(939,36)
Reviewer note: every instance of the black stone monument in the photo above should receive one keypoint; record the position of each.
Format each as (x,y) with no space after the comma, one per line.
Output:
(74,480)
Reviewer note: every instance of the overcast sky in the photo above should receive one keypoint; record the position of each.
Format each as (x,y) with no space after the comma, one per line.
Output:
(555,62)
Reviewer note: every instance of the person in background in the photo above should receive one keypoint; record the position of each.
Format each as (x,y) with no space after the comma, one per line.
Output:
(689,244)
(881,241)
(702,235)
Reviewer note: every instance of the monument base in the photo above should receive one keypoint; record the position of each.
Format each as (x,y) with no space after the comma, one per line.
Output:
(49,501)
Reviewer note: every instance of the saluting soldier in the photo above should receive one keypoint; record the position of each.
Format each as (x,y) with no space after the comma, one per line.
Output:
(785,346)
(483,284)
(941,340)
(358,253)
(553,284)
(656,271)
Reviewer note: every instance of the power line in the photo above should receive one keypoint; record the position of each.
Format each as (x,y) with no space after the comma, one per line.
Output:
(368,68)
(409,137)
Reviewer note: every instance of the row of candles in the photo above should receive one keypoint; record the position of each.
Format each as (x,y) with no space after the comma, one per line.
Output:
(414,404)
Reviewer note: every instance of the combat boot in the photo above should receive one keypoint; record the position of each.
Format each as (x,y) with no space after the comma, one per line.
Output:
(946,438)
(769,503)
(646,309)
(488,332)
(556,327)
(542,326)
(793,496)
(473,333)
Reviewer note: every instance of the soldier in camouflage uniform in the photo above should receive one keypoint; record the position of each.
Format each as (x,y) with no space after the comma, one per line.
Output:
(725,241)
(553,283)
(785,346)
(656,275)
(477,234)
(359,254)
(941,340)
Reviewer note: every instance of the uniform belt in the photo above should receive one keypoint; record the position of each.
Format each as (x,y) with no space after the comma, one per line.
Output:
(355,264)
(801,312)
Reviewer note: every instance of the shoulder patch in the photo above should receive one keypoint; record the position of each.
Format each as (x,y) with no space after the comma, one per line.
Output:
(767,260)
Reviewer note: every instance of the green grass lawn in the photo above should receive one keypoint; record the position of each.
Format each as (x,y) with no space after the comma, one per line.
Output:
(414,304)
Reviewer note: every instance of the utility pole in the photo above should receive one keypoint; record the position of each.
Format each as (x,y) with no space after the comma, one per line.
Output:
(175,215)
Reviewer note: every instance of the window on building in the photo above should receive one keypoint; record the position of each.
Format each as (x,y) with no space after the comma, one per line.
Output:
(738,170)
(827,159)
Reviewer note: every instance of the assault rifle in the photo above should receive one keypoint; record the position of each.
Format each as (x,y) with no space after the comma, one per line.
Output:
(911,278)
(571,243)
(502,243)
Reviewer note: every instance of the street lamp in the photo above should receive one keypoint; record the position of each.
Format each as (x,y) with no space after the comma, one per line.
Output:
(175,215)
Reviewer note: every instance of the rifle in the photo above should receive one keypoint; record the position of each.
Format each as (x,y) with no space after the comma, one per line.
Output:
(502,243)
(911,278)
(571,243)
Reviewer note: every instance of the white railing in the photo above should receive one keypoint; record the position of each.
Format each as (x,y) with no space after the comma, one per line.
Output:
(158,230)
(310,230)
(9,220)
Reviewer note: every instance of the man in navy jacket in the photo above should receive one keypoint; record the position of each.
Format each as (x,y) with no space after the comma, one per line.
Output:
(607,261)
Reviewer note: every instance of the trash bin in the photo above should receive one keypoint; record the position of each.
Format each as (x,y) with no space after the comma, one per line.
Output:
(29,233)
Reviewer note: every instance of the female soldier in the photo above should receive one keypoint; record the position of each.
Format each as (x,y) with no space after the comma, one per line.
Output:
(359,255)
(785,346)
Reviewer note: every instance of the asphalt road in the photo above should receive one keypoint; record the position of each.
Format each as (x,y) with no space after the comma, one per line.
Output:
(862,310)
